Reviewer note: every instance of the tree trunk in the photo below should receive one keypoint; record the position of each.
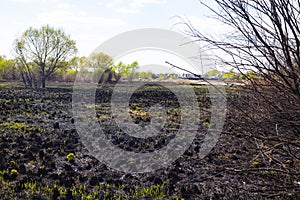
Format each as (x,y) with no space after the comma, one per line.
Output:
(43,82)
(42,75)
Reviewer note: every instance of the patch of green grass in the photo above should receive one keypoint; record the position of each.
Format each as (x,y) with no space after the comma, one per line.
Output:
(105,191)
(5,100)
(19,127)
(15,125)
(10,85)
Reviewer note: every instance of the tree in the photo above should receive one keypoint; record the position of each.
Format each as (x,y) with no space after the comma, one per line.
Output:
(128,70)
(264,39)
(8,69)
(79,63)
(40,52)
(119,70)
(149,75)
(100,61)
(143,75)
(161,77)
(213,72)
(230,75)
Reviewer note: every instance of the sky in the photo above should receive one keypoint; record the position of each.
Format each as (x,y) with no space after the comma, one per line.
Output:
(92,22)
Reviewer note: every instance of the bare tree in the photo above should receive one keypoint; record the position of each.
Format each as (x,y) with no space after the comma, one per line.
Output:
(264,38)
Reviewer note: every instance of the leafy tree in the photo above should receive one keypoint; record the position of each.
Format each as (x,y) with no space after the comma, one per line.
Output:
(173,76)
(128,70)
(131,70)
(149,75)
(119,70)
(79,63)
(40,52)
(143,75)
(2,59)
(100,61)
(161,77)
(213,72)
(8,69)
(230,75)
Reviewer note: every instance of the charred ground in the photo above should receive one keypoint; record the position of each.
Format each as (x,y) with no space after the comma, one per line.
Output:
(42,156)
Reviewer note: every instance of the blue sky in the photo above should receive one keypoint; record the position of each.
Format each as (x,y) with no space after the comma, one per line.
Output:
(92,21)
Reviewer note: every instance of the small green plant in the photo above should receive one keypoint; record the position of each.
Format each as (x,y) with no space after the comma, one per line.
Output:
(206,124)
(71,156)
(267,172)
(62,190)
(255,163)
(14,172)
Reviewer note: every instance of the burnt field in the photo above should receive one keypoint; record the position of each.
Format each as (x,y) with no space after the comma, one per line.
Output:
(42,156)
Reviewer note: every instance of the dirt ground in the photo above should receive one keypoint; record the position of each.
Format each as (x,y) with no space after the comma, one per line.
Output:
(43,157)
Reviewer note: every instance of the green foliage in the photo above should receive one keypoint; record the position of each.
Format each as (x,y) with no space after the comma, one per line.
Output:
(97,73)
(143,75)
(64,66)
(14,172)
(207,124)
(230,75)
(172,76)
(41,52)
(106,191)
(15,125)
(71,156)
(79,64)
(213,72)
(128,71)
(161,77)
(71,72)
(8,69)
(100,61)
(149,76)
(119,68)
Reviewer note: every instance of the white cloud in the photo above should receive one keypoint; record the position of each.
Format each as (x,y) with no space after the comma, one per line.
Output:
(215,30)
(87,29)
(113,3)
(21,1)
(127,10)
(208,25)
(65,6)
(74,20)
(133,7)
(32,1)
(142,3)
